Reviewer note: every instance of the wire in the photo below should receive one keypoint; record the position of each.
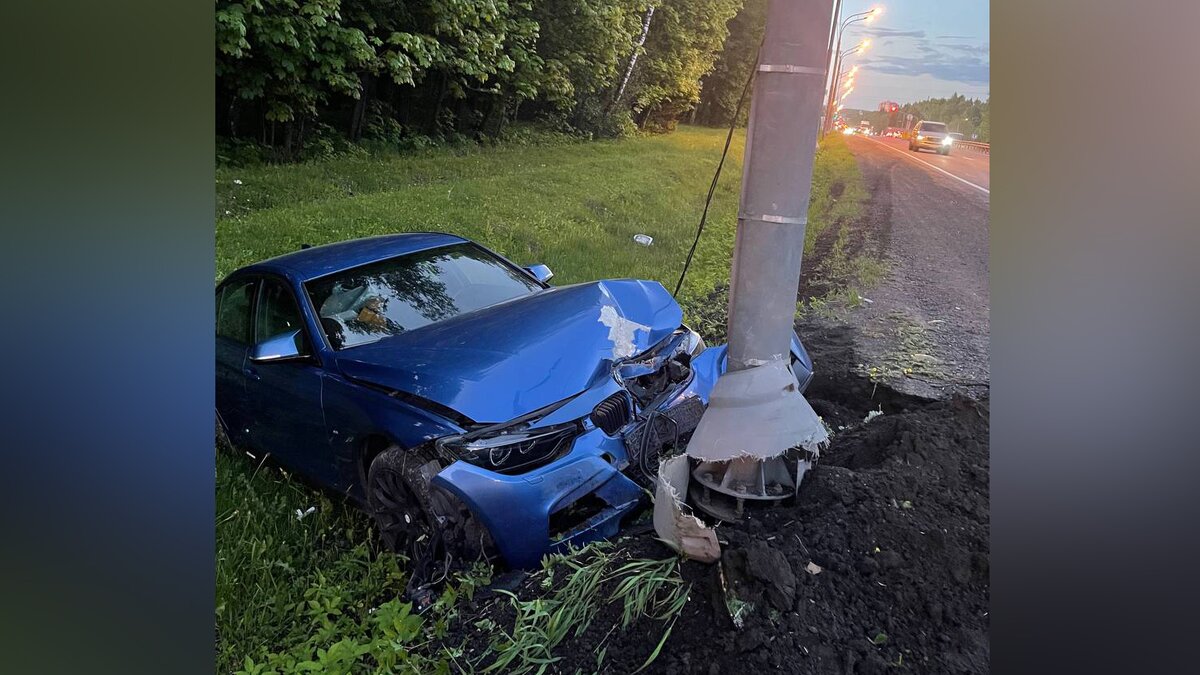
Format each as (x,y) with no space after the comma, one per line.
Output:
(717,175)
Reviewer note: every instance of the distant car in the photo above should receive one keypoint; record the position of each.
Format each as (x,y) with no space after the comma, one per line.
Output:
(456,395)
(931,136)
(956,136)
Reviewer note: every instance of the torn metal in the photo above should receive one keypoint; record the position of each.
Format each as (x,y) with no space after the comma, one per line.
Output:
(673,520)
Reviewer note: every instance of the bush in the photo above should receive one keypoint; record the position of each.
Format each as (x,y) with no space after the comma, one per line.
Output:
(381,126)
(592,119)
(238,152)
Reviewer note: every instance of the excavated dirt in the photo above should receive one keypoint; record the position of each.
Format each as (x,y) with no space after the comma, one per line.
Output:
(894,517)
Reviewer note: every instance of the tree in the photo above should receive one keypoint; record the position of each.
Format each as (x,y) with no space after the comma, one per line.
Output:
(722,88)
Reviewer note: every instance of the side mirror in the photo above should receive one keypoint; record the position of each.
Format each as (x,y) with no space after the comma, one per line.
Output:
(540,272)
(282,347)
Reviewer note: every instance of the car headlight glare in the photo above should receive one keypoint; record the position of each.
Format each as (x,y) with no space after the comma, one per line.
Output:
(510,451)
(947,140)
(920,137)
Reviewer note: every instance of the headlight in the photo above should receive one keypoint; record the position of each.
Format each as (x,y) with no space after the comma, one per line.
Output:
(947,140)
(693,344)
(920,137)
(511,451)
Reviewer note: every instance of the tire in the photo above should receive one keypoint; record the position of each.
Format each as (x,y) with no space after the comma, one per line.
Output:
(944,153)
(406,507)
(393,497)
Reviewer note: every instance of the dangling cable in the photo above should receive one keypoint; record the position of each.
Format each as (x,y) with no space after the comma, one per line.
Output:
(717,175)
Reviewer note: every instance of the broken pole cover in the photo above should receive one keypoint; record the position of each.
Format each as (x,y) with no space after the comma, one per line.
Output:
(756,411)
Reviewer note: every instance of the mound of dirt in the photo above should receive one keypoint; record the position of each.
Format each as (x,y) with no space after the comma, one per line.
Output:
(880,563)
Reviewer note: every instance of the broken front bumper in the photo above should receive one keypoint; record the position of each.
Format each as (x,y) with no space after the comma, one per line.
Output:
(583,495)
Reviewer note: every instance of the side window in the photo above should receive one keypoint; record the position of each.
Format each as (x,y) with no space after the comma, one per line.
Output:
(278,312)
(233,310)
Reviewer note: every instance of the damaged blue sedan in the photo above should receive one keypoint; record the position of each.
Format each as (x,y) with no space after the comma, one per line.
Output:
(457,396)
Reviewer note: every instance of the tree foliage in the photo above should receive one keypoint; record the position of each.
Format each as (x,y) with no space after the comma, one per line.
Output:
(723,87)
(292,74)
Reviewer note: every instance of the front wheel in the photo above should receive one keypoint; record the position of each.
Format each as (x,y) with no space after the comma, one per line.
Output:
(413,516)
(943,152)
(393,497)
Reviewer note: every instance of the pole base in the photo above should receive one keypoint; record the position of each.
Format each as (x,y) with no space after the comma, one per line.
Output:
(758,413)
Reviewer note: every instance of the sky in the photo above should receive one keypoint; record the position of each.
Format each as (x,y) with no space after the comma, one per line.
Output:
(919,49)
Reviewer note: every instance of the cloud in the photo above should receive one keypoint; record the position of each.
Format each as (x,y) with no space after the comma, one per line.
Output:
(955,37)
(968,70)
(892,32)
(952,61)
(983,50)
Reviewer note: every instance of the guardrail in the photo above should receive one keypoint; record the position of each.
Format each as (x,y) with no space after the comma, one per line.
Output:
(985,148)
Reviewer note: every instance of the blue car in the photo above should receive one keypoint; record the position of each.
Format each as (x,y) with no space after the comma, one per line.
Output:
(456,395)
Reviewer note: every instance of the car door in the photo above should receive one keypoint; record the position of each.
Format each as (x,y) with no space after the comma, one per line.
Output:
(285,395)
(235,333)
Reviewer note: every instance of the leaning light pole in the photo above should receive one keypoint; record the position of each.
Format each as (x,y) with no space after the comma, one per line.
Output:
(756,413)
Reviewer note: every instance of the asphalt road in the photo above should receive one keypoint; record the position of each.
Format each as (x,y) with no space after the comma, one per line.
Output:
(931,313)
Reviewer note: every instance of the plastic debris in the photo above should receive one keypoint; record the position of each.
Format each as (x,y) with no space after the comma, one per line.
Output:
(643,239)
(300,515)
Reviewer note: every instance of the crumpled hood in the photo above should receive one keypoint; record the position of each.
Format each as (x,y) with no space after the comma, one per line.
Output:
(510,359)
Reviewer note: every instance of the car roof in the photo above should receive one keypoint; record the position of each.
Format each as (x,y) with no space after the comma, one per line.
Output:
(317,261)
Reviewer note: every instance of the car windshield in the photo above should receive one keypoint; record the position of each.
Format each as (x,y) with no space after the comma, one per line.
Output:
(936,127)
(368,303)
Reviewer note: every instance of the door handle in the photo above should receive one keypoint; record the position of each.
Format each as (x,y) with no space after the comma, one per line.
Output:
(251,373)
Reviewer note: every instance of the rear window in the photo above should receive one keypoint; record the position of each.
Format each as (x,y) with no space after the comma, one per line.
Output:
(937,127)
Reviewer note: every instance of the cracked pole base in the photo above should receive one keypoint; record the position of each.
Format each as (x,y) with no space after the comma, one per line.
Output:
(754,416)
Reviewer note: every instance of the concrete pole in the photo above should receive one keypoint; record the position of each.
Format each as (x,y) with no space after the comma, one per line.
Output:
(756,412)
(776,181)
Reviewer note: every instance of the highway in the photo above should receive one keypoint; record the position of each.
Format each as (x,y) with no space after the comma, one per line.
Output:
(931,212)
(968,166)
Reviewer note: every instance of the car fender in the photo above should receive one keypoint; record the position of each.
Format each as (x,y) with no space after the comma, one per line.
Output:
(356,412)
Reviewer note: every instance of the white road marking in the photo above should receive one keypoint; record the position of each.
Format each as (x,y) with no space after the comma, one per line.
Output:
(934,167)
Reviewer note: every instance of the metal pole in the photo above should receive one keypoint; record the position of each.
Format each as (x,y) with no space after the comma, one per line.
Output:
(837,47)
(756,411)
(833,89)
(833,33)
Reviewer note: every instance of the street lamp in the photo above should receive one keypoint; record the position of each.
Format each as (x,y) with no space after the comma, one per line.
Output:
(860,47)
(835,46)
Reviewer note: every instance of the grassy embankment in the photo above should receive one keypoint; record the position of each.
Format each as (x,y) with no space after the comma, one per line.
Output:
(312,593)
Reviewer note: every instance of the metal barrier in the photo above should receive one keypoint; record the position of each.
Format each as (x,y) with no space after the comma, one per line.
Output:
(985,148)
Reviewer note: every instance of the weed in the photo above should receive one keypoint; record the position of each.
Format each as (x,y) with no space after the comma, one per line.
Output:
(641,588)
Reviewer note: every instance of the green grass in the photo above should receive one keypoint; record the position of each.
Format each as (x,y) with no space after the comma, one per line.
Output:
(313,594)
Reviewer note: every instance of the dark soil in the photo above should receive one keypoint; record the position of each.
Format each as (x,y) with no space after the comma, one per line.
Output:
(895,514)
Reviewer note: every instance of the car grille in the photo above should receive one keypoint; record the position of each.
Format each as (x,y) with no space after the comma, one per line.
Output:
(612,413)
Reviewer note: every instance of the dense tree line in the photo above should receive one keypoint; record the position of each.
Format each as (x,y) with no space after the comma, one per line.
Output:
(294,72)
(722,88)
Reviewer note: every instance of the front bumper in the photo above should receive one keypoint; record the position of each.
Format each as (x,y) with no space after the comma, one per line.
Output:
(931,144)
(582,496)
